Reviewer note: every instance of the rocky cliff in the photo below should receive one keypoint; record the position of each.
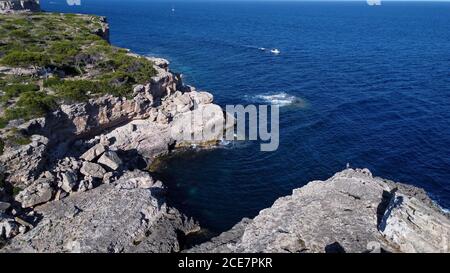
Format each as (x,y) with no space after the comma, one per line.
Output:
(75,176)
(350,212)
(10,6)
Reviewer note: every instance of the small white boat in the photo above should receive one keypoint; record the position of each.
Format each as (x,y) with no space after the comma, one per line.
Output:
(275,51)
(262,49)
(374,2)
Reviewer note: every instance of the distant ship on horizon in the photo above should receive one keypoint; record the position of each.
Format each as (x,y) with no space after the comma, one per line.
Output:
(374,2)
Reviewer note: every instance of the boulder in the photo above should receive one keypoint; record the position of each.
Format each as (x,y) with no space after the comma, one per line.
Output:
(39,192)
(92,169)
(93,153)
(138,179)
(111,160)
(86,184)
(69,181)
(107,178)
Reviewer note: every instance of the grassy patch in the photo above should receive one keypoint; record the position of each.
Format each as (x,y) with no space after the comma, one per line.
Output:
(14,90)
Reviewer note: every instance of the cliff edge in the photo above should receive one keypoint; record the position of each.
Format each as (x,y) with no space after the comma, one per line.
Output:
(350,212)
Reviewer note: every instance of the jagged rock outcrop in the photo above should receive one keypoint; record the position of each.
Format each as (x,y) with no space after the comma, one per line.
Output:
(24,163)
(350,212)
(160,106)
(125,216)
(103,30)
(9,6)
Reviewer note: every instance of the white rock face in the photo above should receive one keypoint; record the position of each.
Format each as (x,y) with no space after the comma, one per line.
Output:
(414,227)
(350,212)
(202,125)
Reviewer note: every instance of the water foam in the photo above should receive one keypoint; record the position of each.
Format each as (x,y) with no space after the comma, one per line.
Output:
(281,99)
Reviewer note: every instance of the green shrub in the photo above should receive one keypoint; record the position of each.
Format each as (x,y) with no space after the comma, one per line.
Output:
(64,47)
(63,52)
(139,70)
(31,105)
(3,122)
(19,33)
(14,90)
(76,91)
(36,102)
(9,26)
(21,58)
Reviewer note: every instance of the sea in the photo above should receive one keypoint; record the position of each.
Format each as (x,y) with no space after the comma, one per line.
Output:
(358,84)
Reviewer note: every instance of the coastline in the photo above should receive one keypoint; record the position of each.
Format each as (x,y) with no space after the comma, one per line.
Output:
(113,136)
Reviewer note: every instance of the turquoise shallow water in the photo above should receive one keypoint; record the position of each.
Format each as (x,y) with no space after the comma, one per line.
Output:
(374,83)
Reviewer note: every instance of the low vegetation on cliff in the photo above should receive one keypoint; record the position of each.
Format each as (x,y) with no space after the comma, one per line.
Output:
(51,58)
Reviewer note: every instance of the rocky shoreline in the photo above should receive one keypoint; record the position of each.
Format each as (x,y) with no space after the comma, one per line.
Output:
(80,184)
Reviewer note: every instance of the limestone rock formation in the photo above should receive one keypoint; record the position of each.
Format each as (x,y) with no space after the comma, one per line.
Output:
(350,212)
(125,216)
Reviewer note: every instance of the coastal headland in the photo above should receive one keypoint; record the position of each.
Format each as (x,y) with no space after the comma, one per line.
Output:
(81,122)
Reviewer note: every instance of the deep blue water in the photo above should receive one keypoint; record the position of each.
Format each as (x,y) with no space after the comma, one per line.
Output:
(375,82)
